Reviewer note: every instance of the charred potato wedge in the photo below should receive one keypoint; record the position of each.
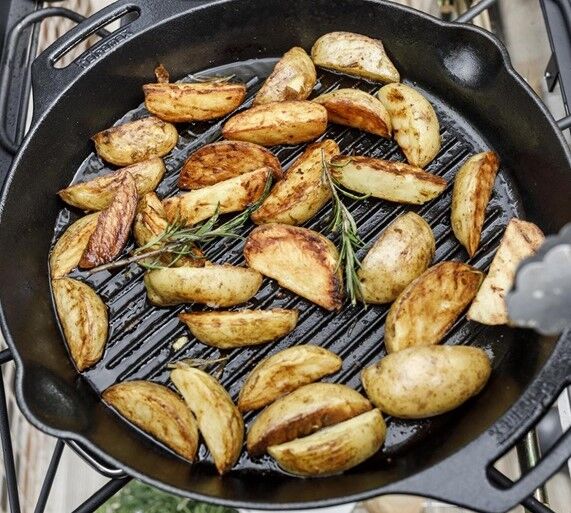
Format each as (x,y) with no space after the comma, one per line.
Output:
(429,306)
(400,255)
(83,317)
(303,412)
(269,124)
(473,187)
(284,372)
(356,55)
(157,411)
(135,141)
(421,382)
(300,260)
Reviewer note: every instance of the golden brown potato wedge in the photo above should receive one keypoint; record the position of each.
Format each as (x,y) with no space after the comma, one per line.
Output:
(97,194)
(303,412)
(219,420)
(83,317)
(293,78)
(357,109)
(393,181)
(302,192)
(300,260)
(284,372)
(214,285)
(400,255)
(415,125)
(136,141)
(473,187)
(354,54)
(333,449)
(521,239)
(223,160)
(421,382)
(291,122)
(158,411)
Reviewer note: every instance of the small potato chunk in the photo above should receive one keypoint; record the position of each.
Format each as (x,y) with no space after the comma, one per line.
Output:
(354,54)
(415,125)
(219,421)
(473,187)
(136,141)
(388,180)
(97,194)
(83,317)
(291,122)
(157,411)
(284,372)
(400,255)
(521,240)
(421,382)
(357,109)
(429,306)
(333,449)
(302,192)
(227,330)
(223,160)
(303,412)
(300,260)
(214,285)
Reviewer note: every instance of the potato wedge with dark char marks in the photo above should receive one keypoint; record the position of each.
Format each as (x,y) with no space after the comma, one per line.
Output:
(157,411)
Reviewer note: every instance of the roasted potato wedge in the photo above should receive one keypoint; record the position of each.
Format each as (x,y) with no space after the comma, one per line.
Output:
(303,412)
(333,449)
(392,181)
(293,78)
(158,411)
(357,109)
(415,125)
(400,255)
(300,260)
(135,141)
(421,382)
(219,420)
(354,54)
(284,372)
(223,160)
(97,194)
(214,285)
(291,122)
(83,317)
(302,193)
(473,187)
(521,239)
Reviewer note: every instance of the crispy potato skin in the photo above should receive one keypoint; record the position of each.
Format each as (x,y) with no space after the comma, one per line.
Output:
(302,193)
(400,255)
(392,181)
(354,54)
(473,187)
(83,317)
(184,102)
(303,412)
(300,260)
(223,160)
(285,372)
(293,78)
(136,141)
(291,122)
(158,411)
(421,382)
(333,449)
(521,239)
(219,421)
(357,109)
